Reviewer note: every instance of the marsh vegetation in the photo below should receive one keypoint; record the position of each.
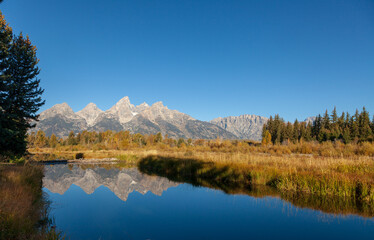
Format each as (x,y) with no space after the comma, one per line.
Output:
(24,210)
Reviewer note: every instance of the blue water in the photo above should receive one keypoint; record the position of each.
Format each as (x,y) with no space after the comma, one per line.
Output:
(183,211)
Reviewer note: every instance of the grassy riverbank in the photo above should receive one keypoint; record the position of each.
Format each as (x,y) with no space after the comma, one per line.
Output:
(23,208)
(318,176)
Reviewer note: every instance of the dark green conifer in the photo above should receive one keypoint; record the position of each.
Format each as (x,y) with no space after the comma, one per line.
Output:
(5,45)
(334,116)
(326,121)
(353,125)
(346,136)
(317,125)
(22,98)
(364,125)
(308,132)
(288,131)
(296,131)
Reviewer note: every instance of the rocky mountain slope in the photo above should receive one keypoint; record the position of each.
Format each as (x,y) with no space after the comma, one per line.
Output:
(60,120)
(121,182)
(90,113)
(144,119)
(244,126)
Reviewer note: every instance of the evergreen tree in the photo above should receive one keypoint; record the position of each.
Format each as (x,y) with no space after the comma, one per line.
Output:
(341,122)
(6,133)
(346,122)
(288,131)
(302,131)
(296,131)
(317,125)
(334,126)
(326,121)
(22,97)
(308,132)
(346,136)
(264,129)
(334,116)
(353,127)
(364,125)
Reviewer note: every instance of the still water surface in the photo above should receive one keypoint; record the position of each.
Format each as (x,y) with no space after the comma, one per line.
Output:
(123,203)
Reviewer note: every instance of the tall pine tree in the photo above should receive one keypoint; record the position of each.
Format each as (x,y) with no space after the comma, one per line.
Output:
(6,35)
(364,125)
(20,93)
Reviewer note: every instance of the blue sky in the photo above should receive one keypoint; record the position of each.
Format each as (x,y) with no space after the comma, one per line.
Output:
(205,58)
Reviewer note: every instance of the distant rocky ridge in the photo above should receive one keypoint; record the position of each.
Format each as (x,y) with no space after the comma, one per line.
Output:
(61,119)
(121,182)
(244,126)
(144,119)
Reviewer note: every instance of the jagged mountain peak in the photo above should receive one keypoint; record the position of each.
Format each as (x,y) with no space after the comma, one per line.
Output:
(141,107)
(143,104)
(159,104)
(61,108)
(125,99)
(123,104)
(90,106)
(90,113)
(123,109)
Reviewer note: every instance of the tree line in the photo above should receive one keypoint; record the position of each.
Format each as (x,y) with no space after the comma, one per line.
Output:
(329,127)
(20,93)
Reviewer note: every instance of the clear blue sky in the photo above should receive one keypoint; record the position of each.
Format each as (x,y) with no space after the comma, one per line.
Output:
(204,58)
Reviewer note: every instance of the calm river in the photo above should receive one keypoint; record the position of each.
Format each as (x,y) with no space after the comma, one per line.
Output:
(105,202)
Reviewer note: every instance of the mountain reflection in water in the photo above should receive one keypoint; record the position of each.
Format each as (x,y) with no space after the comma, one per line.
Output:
(187,207)
(122,182)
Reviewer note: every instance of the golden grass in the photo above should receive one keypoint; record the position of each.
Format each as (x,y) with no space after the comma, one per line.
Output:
(22,205)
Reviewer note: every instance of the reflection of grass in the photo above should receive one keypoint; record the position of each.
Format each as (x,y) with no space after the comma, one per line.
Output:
(229,176)
(336,205)
(107,166)
(23,209)
(196,172)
